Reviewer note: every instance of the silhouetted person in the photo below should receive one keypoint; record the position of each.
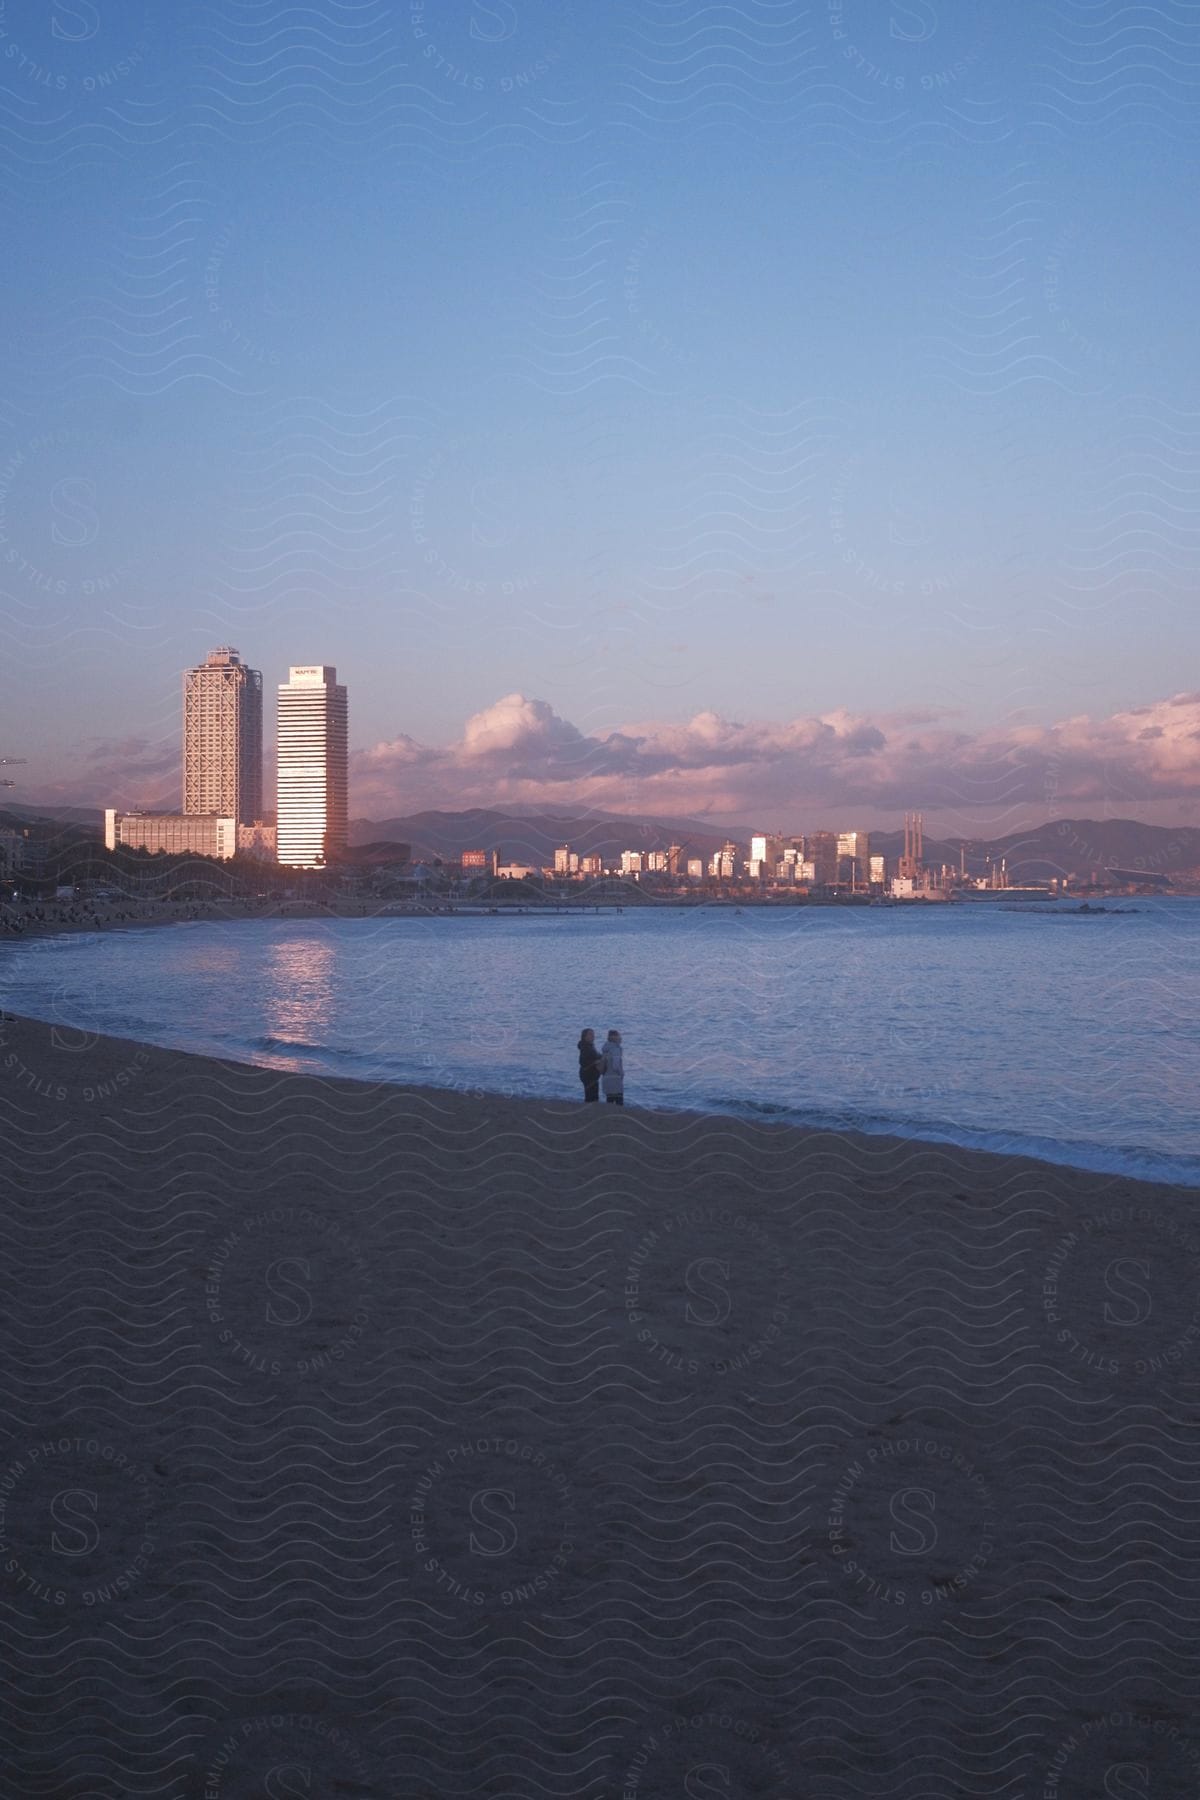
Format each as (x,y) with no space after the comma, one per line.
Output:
(613,1071)
(590,1064)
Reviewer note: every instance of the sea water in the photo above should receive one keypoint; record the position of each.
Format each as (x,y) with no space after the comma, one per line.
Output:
(1070,1036)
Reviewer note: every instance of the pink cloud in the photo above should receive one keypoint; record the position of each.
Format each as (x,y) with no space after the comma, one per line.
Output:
(520,750)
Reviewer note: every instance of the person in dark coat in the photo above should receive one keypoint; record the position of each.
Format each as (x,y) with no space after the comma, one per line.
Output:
(590,1064)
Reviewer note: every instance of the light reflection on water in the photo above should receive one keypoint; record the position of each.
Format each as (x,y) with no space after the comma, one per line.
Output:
(300,1001)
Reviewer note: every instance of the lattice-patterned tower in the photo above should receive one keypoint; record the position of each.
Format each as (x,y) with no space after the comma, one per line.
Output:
(222,738)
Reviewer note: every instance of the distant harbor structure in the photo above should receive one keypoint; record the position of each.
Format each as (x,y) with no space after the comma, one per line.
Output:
(313,814)
(912,861)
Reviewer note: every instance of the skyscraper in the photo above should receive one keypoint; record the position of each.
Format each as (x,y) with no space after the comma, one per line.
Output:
(222,738)
(822,848)
(854,858)
(313,817)
(766,848)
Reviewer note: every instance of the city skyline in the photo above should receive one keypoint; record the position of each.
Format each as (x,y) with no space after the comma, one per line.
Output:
(1142,764)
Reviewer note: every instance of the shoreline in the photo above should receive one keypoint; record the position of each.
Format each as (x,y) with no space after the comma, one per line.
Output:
(119,1056)
(65,918)
(1095,1162)
(19,925)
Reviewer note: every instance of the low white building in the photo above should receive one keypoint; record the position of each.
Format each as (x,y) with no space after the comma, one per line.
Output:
(194,834)
(180,834)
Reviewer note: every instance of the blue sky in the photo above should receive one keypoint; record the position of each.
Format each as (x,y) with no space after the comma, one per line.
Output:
(764,361)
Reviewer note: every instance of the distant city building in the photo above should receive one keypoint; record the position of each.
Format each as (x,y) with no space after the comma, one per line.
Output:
(223,738)
(695,868)
(12,853)
(257,840)
(478,861)
(755,869)
(656,862)
(674,859)
(878,866)
(386,857)
(562,859)
(632,862)
(591,865)
(766,849)
(854,858)
(35,855)
(822,851)
(179,834)
(313,798)
(516,871)
(806,870)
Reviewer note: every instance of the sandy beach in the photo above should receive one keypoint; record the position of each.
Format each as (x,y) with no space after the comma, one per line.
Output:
(434,1443)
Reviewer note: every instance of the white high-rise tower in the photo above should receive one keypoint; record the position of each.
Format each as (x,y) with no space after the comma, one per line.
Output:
(313,815)
(222,738)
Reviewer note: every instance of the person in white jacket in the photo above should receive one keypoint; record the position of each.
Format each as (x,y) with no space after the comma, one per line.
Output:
(612,1070)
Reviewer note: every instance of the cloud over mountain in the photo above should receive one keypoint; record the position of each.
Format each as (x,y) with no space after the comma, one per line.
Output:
(520,751)
(837,766)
